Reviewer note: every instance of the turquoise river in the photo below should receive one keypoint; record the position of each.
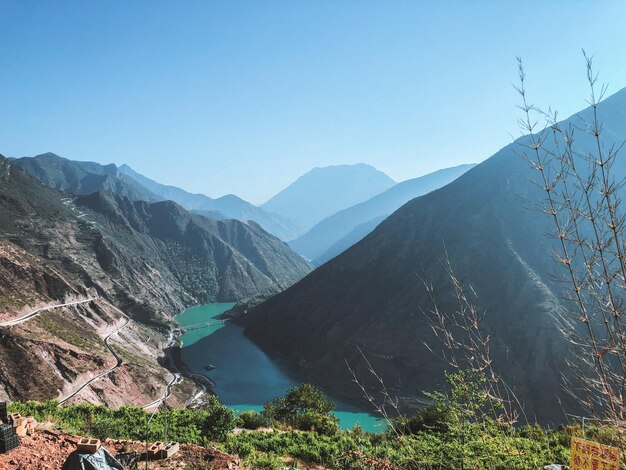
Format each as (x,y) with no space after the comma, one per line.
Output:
(244,376)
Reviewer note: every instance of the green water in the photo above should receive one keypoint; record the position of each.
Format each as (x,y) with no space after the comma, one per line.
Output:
(199,315)
(245,377)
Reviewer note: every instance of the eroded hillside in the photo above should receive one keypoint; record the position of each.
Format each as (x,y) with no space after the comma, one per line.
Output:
(132,266)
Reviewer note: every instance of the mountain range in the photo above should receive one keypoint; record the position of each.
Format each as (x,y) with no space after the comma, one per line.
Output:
(149,259)
(341,230)
(370,299)
(229,206)
(84,178)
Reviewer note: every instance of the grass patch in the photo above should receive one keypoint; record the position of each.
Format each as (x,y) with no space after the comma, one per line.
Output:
(71,331)
(12,301)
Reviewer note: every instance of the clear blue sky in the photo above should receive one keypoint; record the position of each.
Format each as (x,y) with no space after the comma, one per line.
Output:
(244,96)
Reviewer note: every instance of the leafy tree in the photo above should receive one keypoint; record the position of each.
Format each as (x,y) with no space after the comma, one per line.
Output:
(304,407)
(218,422)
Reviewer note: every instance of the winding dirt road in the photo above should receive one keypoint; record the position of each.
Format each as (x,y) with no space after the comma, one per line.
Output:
(39,311)
(118,362)
(166,393)
(176,378)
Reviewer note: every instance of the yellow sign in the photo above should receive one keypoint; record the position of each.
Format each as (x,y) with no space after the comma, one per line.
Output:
(588,455)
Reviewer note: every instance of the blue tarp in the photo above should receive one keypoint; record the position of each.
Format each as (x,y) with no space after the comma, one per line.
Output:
(101,460)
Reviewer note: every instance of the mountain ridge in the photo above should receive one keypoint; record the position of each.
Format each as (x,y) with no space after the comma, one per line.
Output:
(84,178)
(320,238)
(230,205)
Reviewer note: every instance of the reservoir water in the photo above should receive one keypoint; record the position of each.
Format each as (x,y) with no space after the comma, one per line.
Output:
(244,376)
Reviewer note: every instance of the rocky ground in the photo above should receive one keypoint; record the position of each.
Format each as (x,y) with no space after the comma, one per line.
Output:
(48,449)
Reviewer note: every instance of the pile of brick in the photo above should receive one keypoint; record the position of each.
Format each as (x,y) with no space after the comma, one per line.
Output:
(88,445)
(161,450)
(21,426)
(11,427)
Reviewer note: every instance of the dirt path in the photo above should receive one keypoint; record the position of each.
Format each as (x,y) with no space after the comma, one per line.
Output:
(118,363)
(39,311)
(176,377)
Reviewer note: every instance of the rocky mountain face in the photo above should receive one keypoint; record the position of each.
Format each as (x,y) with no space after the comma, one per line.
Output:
(371,296)
(82,178)
(314,244)
(63,348)
(324,191)
(145,260)
(229,206)
(229,259)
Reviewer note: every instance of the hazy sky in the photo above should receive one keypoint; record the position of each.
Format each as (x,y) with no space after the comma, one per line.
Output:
(245,96)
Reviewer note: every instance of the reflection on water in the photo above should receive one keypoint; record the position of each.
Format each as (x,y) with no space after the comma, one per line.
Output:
(245,377)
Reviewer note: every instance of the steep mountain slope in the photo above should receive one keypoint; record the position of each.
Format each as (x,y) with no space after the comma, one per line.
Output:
(323,191)
(61,348)
(230,205)
(148,259)
(332,229)
(230,259)
(354,236)
(371,297)
(82,177)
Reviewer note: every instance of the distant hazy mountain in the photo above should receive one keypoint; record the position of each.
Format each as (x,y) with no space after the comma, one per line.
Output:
(230,205)
(323,191)
(370,297)
(314,244)
(82,177)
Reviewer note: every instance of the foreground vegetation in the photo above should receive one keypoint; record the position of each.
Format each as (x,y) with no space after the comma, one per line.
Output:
(451,433)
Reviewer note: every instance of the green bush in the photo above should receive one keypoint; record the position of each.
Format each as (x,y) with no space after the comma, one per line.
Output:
(304,407)
(252,420)
(265,461)
(434,418)
(318,422)
(200,426)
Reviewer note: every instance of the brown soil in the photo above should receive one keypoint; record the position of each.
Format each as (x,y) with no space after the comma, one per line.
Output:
(47,449)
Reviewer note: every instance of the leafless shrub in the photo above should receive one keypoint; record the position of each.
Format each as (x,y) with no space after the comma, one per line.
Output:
(576,166)
(466,344)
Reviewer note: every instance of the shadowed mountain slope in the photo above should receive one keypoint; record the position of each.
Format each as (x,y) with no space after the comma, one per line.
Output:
(371,297)
(217,260)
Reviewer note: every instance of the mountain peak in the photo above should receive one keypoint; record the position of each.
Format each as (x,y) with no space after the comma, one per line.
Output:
(323,191)
(49,155)
(349,170)
(333,234)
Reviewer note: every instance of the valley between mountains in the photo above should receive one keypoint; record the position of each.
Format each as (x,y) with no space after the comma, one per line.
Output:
(321,294)
(133,259)
(97,260)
